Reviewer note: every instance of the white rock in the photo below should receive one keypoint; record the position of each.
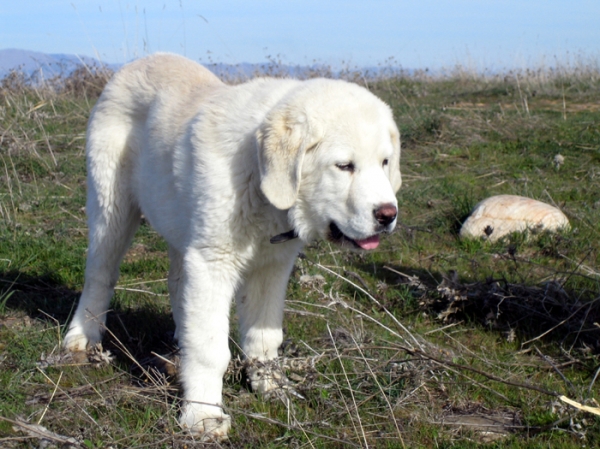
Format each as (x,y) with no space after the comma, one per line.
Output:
(558,160)
(503,214)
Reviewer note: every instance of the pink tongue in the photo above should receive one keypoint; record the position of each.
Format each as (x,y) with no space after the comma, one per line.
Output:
(369,243)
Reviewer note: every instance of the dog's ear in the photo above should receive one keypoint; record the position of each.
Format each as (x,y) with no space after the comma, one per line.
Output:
(282,141)
(395,177)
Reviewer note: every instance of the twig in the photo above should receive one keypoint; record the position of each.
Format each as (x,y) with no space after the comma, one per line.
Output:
(585,408)
(349,386)
(137,290)
(547,360)
(564,104)
(67,395)
(481,373)
(479,384)
(51,397)
(37,431)
(559,324)
(382,392)
(303,312)
(47,139)
(370,318)
(551,199)
(357,277)
(442,328)
(523,98)
(589,391)
(401,401)
(578,265)
(129,284)
(81,220)
(126,351)
(581,327)
(262,418)
(164,359)
(132,358)
(73,391)
(372,298)
(57,327)
(123,326)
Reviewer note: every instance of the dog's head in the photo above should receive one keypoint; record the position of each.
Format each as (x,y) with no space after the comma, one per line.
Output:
(330,152)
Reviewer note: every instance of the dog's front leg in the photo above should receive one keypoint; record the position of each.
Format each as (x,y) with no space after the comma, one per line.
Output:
(207,289)
(260,304)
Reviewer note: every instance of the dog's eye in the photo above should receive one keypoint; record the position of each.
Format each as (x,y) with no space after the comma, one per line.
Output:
(346,167)
(385,162)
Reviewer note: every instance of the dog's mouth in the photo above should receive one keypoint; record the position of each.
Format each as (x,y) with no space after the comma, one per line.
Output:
(337,236)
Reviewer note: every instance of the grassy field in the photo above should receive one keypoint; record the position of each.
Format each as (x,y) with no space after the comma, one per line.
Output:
(428,342)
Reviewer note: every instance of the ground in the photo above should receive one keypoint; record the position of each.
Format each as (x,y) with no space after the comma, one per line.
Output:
(429,341)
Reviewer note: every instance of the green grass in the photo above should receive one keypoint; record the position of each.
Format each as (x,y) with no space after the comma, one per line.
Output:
(396,348)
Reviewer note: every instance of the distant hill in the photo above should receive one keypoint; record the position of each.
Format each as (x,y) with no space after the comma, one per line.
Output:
(42,66)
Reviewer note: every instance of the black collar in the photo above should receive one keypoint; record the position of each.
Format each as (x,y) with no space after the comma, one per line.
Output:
(284,237)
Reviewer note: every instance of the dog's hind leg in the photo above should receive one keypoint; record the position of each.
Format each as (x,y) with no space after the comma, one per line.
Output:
(175,276)
(113,218)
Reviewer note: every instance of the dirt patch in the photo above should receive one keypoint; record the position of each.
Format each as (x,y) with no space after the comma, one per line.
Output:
(484,424)
(15,322)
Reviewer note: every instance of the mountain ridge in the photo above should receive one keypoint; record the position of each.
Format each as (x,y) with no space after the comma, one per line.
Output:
(39,66)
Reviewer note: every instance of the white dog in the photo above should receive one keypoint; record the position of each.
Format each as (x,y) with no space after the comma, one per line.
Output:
(236,179)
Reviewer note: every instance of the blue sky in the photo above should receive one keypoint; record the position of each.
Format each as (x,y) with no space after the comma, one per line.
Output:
(417,34)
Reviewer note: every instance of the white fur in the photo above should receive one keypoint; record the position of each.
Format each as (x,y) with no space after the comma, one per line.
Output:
(217,170)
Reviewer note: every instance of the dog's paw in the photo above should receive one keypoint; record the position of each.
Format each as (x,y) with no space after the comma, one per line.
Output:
(266,377)
(207,422)
(78,339)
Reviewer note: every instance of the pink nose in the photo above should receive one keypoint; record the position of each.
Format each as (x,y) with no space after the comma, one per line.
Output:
(385,214)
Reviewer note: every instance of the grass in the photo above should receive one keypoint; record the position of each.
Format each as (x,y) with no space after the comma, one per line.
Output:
(428,342)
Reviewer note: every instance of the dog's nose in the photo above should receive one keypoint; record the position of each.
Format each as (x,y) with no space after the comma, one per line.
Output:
(385,214)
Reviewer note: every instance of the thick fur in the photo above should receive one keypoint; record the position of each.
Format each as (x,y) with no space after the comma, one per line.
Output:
(218,170)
